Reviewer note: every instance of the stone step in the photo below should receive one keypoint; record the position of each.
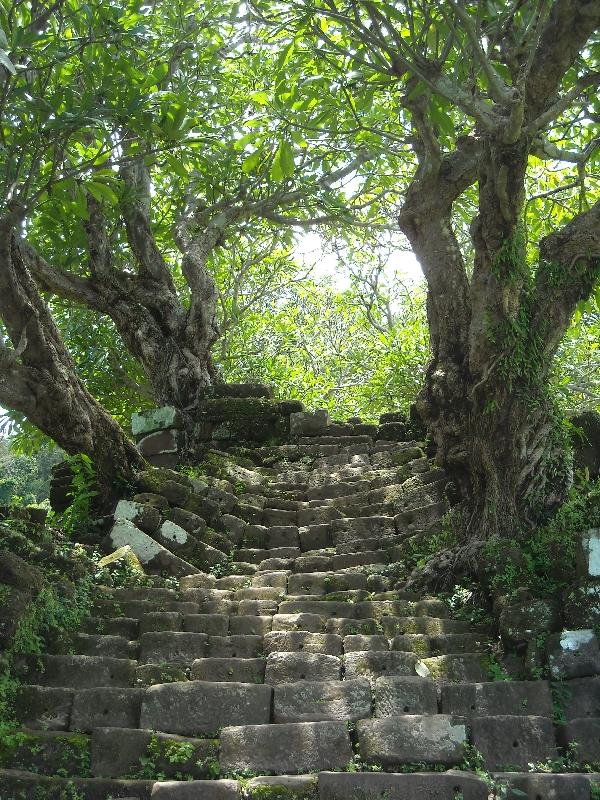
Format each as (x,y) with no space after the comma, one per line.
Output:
(110,706)
(78,672)
(250,625)
(392,741)
(149,593)
(274,593)
(513,740)
(49,752)
(122,751)
(461,668)
(519,698)
(350,529)
(444,644)
(289,748)
(172,647)
(373,664)
(362,642)
(235,646)
(97,644)
(376,609)
(289,667)
(127,627)
(44,707)
(313,563)
(202,708)
(321,583)
(210,624)
(373,558)
(275,578)
(238,670)
(19,785)
(160,621)
(316,701)
(302,641)
(399,695)
(540,786)
(413,786)
(137,608)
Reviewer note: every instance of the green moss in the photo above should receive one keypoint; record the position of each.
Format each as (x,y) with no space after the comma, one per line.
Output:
(281,792)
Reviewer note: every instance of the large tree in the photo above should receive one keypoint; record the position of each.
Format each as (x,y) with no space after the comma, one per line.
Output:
(141,153)
(484,92)
(38,377)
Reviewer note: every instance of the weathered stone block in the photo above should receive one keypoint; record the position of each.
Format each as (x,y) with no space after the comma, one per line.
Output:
(283,787)
(115,708)
(211,624)
(521,622)
(362,642)
(190,522)
(118,751)
(200,708)
(309,423)
(391,741)
(172,647)
(250,625)
(157,419)
(143,515)
(296,641)
(585,734)
(291,667)
(44,707)
(196,790)
(288,748)
(149,674)
(509,742)
(378,663)
(347,530)
(18,785)
(416,786)
(160,621)
(78,672)
(238,670)
(234,646)
(314,623)
(152,555)
(580,697)
(460,668)
(162,443)
(315,701)
(395,696)
(543,786)
(573,654)
(514,698)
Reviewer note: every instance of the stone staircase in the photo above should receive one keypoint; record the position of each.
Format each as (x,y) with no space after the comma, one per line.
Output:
(298,670)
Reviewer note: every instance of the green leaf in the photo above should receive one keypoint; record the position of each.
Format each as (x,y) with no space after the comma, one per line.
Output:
(286,156)
(100,191)
(7,63)
(250,163)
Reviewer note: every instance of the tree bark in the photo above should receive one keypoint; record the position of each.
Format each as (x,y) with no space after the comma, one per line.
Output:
(486,398)
(39,378)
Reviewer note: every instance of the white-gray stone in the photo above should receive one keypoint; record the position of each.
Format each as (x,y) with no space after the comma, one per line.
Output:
(157,419)
(309,423)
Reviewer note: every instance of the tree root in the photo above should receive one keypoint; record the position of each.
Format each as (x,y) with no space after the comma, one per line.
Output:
(446,568)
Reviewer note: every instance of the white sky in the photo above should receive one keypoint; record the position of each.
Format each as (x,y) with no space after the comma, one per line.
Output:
(311,252)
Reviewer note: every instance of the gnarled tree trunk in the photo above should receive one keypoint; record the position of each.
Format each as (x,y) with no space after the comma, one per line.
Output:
(38,376)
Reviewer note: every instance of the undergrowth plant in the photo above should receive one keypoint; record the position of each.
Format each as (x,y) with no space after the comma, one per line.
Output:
(84,489)
(542,560)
